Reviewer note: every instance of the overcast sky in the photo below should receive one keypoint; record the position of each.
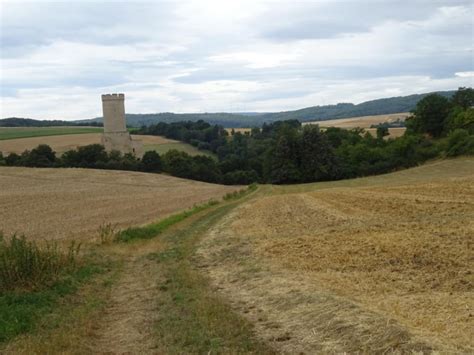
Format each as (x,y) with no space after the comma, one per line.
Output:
(217,55)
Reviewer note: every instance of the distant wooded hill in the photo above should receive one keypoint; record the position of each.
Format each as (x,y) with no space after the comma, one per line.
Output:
(252,119)
(30,122)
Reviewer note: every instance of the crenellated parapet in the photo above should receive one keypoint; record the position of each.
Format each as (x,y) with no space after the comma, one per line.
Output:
(110,97)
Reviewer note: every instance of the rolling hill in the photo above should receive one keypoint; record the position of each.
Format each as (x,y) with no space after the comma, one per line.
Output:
(250,119)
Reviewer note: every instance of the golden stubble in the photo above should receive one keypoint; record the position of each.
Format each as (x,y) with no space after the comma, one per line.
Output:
(403,251)
(75,203)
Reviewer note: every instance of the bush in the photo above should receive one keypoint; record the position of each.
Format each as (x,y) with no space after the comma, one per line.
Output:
(240,177)
(24,264)
(238,194)
(460,142)
(205,168)
(12,159)
(382,131)
(204,146)
(151,162)
(2,160)
(42,157)
(178,163)
(88,156)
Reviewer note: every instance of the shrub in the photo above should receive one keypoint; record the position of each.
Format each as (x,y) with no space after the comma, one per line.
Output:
(151,162)
(42,156)
(107,233)
(382,131)
(177,163)
(24,264)
(2,160)
(12,159)
(152,230)
(240,177)
(204,146)
(238,194)
(460,142)
(87,156)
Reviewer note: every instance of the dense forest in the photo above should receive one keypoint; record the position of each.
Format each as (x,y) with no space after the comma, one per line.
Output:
(286,152)
(254,119)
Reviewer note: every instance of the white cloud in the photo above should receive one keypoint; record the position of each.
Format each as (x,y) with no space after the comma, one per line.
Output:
(465,74)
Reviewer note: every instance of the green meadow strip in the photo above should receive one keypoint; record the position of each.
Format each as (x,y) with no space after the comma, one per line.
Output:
(30,132)
(154,229)
(241,193)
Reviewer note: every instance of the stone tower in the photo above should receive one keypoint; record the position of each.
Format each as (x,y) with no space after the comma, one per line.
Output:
(116,136)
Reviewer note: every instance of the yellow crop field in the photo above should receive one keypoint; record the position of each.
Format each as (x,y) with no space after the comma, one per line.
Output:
(384,262)
(74,203)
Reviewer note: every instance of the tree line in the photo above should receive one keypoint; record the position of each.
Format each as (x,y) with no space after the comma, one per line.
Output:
(286,152)
(176,163)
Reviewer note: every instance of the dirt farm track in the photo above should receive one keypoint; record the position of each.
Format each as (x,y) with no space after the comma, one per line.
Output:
(74,203)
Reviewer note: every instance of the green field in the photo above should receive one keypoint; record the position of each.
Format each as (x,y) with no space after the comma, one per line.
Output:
(27,132)
(184,147)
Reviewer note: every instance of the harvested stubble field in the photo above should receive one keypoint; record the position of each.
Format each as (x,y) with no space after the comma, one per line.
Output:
(62,143)
(392,132)
(374,264)
(361,121)
(74,203)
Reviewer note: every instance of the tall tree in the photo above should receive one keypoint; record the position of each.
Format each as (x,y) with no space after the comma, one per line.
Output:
(282,158)
(430,114)
(317,158)
(463,97)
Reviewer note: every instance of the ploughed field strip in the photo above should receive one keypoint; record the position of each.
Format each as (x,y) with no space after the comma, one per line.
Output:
(373,268)
(74,203)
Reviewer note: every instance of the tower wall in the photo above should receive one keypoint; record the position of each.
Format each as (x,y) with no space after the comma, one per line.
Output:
(116,136)
(113,107)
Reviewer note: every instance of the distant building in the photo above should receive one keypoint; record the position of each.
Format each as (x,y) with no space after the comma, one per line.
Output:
(116,136)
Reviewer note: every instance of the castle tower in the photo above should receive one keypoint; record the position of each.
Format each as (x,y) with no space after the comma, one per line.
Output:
(116,136)
(113,107)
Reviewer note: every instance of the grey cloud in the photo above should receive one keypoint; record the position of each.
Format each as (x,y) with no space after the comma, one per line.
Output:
(33,24)
(303,20)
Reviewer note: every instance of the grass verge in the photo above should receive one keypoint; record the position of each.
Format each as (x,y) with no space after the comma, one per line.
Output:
(33,280)
(152,230)
(26,265)
(22,311)
(241,193)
